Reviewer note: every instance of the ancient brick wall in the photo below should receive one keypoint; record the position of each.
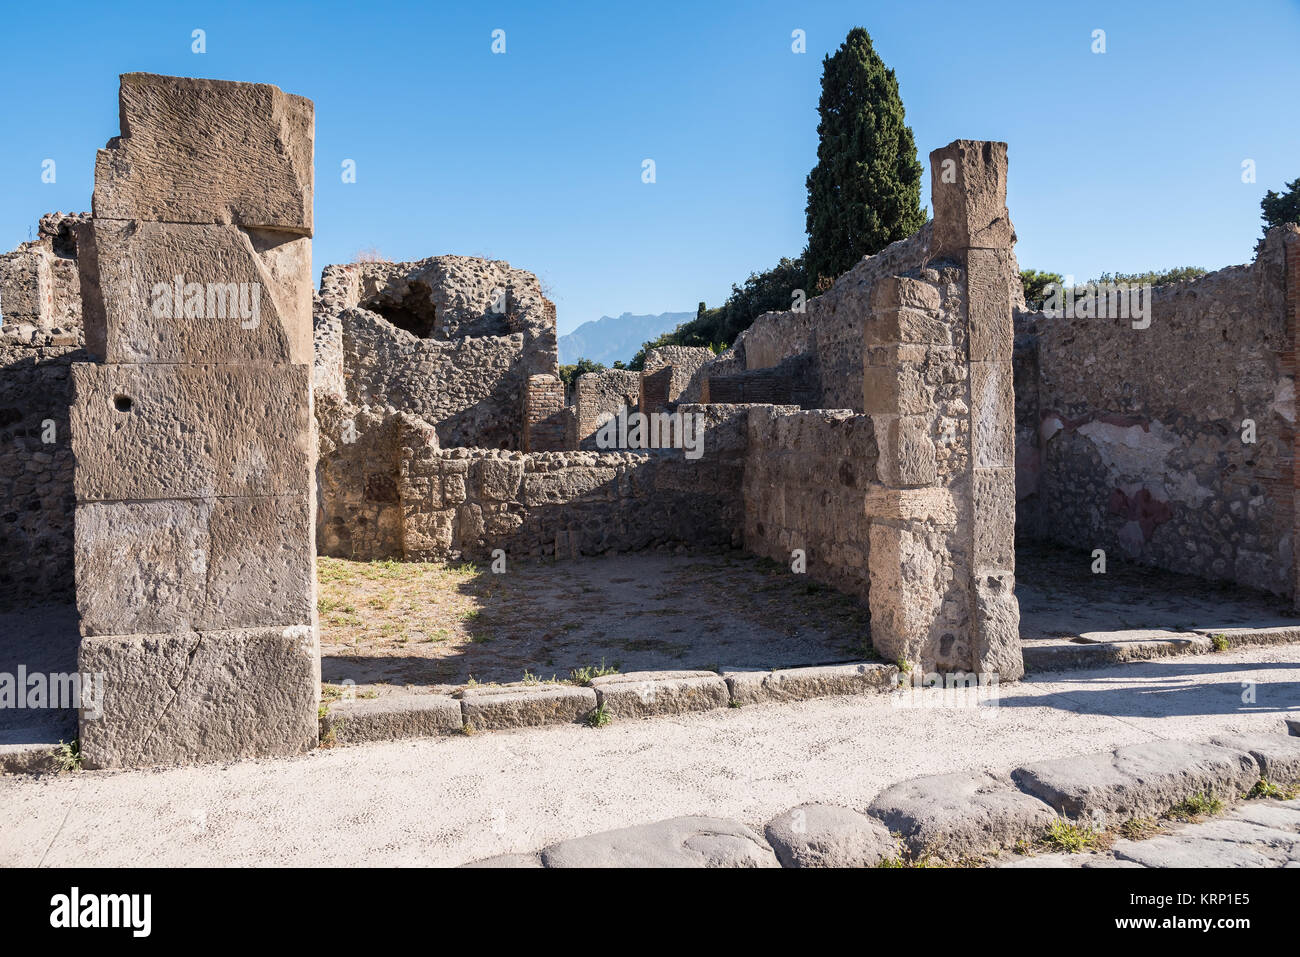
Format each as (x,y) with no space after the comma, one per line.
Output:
(806,479)
(599,395)
(546,418)
(1134,444)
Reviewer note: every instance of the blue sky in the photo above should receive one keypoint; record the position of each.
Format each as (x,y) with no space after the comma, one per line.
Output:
(1127,160)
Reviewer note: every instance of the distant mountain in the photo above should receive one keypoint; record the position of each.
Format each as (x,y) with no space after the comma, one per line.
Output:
(610,339)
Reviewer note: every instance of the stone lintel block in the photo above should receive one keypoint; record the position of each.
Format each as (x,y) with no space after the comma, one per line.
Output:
(988,305)
(907,505)
(392,717)
(208,151)
(904,292)
(490,709)
(194,697)
(961,815)
(994,518)
(968,184)
(641,694)
(907,455)
(993,423)
(202,565)
(499,479)
(28,287)
(1141,780)
(178,431)
(170,292)
(996,625)
(904,569)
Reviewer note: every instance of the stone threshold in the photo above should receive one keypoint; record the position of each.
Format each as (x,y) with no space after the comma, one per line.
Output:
(1066,654)
(615,697)
(982,818)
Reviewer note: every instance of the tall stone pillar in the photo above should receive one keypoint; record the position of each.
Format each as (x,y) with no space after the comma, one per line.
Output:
(938,385)
(192,430)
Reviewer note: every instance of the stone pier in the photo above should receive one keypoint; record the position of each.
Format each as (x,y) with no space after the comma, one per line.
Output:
(938,387)
(192,429)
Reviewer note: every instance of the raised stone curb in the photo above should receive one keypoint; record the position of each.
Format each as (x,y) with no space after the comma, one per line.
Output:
(961,815)
(800,684)
(1069,656)
(1277,755)
(825,835)
(26,758)
(392,717)
(492,709)
(677,842)
(641,694)
(1142,780)
(1293,726)
(1244,637)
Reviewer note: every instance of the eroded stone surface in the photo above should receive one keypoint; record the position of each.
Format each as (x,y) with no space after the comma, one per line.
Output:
(824,835)
(1142,780)
(646,693)
(958,815)
(679,842)
(392,717)
(489,709)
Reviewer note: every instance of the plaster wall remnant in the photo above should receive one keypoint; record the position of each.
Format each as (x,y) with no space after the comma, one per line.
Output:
(192,429)
(1135,440)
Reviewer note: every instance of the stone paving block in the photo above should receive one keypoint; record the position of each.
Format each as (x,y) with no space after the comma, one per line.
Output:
(825,835)
(208,151)
(169,292)
(160,432)
(392,717)
(1293,726)
(1240,637)
(491,709)
(1082,861)
(1064,656)
(1142,780)
(508,860)
(678,842)
(645,693)
(1271,814)
(961,815)
(211,696)
(1278,755)
(746,687)
(1177,851)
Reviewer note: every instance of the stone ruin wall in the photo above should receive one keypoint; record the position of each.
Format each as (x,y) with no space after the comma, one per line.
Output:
(598,396)
(1130,440)
(465,503)
(456,343)
(41,335)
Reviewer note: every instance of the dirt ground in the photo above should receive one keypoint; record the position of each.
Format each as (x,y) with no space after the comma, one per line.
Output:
(398,624)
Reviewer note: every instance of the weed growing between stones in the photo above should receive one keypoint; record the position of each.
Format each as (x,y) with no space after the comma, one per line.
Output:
(1265,788)
(599,716)
(1071,838)
(1139,828)
(1194,808)
(1220,642)
(583,676)
(67,756)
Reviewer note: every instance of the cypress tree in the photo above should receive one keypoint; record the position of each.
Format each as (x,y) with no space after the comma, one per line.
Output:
(865,191)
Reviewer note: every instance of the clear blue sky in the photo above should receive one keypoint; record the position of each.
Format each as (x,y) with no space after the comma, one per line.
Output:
(1125,161)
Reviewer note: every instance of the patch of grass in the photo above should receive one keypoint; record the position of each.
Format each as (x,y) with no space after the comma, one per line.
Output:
(1139,828)
(1220,642)
(599,716)
(1195,807)
(1069,837)
(904,666)
(733,703)
(582,676)
(67,756)
(1265,788)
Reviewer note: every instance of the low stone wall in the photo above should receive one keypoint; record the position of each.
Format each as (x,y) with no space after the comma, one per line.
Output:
(806,478)
(466,503)
(1134,440)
